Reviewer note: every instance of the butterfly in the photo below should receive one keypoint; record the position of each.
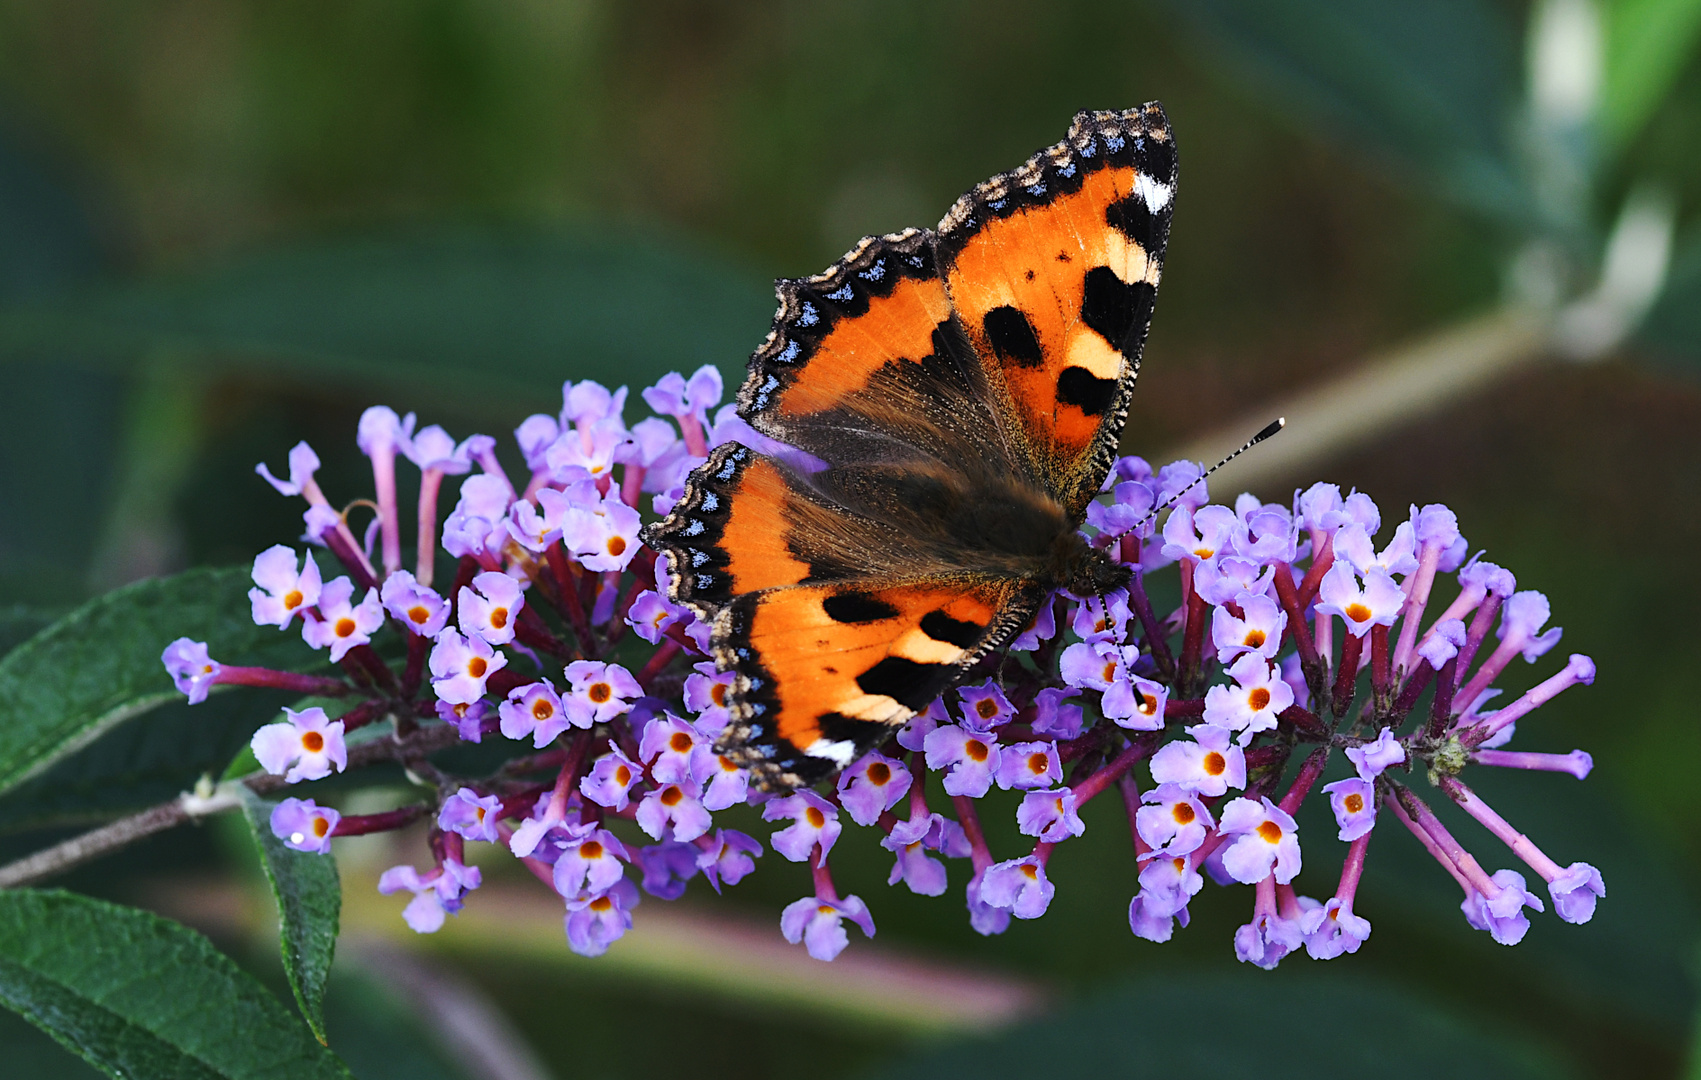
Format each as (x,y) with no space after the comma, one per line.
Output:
(946,403)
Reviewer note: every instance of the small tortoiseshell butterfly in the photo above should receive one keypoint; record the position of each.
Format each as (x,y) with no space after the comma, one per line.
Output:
(955,399)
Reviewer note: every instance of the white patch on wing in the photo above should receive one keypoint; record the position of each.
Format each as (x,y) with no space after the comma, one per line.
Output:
(840,752)
(1156,195)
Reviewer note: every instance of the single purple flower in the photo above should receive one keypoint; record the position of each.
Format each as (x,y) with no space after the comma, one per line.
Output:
(729,857)
(418,608)
(1575,891)
(535,711)
(343,624)
(984,918)
(1372,758)
(604,690)
(668,867)
(1376,603)
(726,783)
(1208,765)
(283,591)
(911,840)
(1220,581)
(460,666)
(1353,543)
(1267,939)
(1502,914)
(705,694)
(309,746)
(1254,702)
(472,815)
(303,463)
(471,719)
(1102,618)
(673,396)
(872,786)
(596,922)
(190,668)
(1028,765)
(1173,821)
(602,537)
(610,781)
(971,757)
(814,820)
(1043,628)
(590,864)
(1259,632)
(304,825)
(1018,886)
(1196,535)
(913,735)
(674,810)
(1354,804)
(490,607)
(1333,929)
(1265,837)
(1054,717)
(437,893)
(817,922)
(651,614)
(1049,815)
(985,706)
(675,751)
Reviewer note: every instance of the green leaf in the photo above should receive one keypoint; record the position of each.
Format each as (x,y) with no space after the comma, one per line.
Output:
(481,314)
(1271,1025)
(309,899)
(1431,86)
(100,665)
(1647,44)
(142,997)
(19,623)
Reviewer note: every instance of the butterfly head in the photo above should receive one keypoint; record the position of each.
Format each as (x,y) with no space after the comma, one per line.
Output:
(1089,571)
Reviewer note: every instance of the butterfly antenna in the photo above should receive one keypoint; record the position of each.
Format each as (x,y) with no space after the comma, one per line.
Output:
(1269,429)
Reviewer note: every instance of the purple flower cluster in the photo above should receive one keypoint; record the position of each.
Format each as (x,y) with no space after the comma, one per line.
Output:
(1296,636)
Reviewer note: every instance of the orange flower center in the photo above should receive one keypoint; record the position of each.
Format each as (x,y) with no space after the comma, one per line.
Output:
(622,775)
(987,708)
(345,626)
(600,692)
(321,826)
(815,817)
(1183,814)
(601,903)
(879,773)
(976,749)
(1271,832)
(590,849)
(542,709)
(1215,763)
(617,546)
(1038,764)
(717,693)
(680,742)
(418,613)
(1030,871)
(1254,639)
(671,796)
(1258,699)
(1354,803)
(498,618)
(293,599)
(312,742)
(477,666)
(1357,612)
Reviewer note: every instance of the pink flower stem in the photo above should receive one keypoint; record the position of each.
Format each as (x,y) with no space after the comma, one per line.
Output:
(1322,558)
(823,876)
(918,787)
(1578,762)
(363,714)
(317,685)
(531,630)
(1352,870)
(1429,845)
(1417,599)
(1295,611)
(1346,678)
(1381,674)
(1184,709)
(369,659)
(1441,706)
(341,543)
(1492,667)
(430,481)
(1455,852)
(384,484)
(1129,785)
(419,647)
(568,602)
(387,821)
(1309,771)
(1193,634)
(1157,641)
(1521,845)
(691,429)
(1414,686)
(1480,623)
(979,855)
(1113,770)
(1480,731)
(658,662)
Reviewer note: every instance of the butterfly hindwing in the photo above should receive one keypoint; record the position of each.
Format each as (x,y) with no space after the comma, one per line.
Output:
(827,672)
(1052,269)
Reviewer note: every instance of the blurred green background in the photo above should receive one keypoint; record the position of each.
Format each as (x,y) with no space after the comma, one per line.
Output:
(226,226)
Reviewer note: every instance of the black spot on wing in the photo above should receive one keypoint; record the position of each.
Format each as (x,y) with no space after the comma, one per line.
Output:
(905,681)
(866,734)
(857,607)
(1156,158)
(959,632)
(1079,387)
(1131,217)
(1115,309)
(1012,337)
